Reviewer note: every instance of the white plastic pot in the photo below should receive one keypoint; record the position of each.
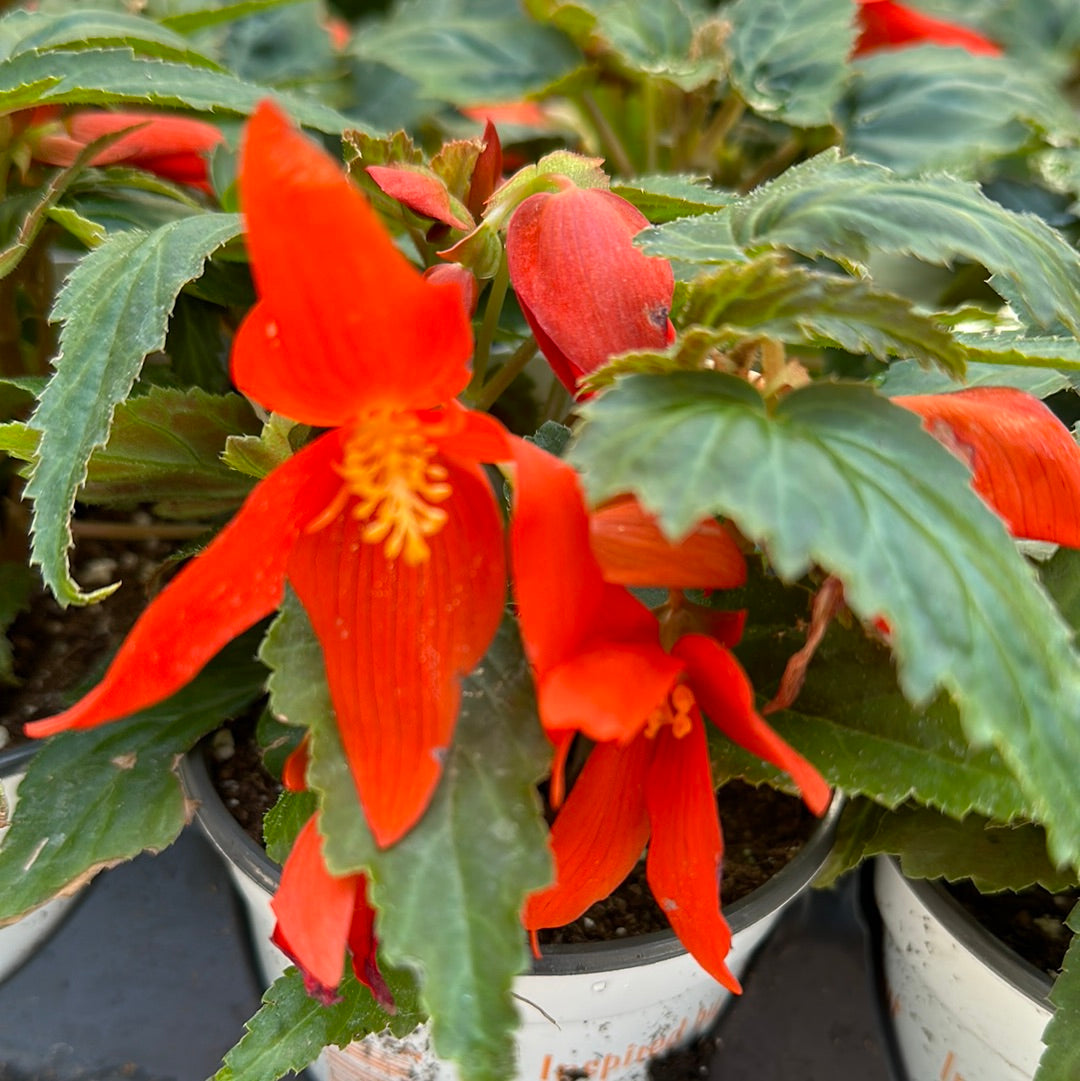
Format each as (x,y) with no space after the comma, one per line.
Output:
(19,940)
(602,1008)
(964,1006)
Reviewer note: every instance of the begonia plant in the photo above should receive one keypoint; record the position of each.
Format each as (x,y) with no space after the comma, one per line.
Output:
(620,401)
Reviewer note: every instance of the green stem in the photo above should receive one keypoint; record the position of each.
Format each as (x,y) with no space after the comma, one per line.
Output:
(727,116)
(649,104)
(609,138)
(488,325)
(490,393)
(775,163)
(557,404)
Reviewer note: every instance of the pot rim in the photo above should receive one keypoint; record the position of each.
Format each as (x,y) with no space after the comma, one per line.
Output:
(14,759)
(229,838)
(1017,971)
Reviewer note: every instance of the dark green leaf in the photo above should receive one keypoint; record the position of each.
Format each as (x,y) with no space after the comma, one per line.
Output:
(16,582)
(837,477)
(789,58)
(165,448)
(292,1028)
(480,846)
(284,821)
(1061,1059)
(845,209)
(115,308)
(931,109)
(91,29)
(119,76)
(657,40)
(198,345)
(805,307)
(666,197)
(213,14)
(908,377)
(93,798)
(463,52)
(932,845)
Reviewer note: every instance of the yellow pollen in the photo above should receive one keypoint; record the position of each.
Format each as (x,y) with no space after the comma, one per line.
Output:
(675,711)
(387,467)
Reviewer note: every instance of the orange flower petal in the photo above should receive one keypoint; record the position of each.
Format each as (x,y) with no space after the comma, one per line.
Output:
(397,639)
(598,835)
(1024,461)
(685,847)
(607,692)
(632,551)
(888,25)
(345,322)
(727,699)
(314,911)
(231,585)
(423,194)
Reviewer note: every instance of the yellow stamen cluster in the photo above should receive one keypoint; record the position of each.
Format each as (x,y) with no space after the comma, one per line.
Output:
(675,711)
(388,469)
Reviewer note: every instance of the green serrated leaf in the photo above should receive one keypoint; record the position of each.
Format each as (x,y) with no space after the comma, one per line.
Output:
(95,29)
(854,723)
(844,209)
(284,820)
(908,377)
(119,76)
(258,455)
(656,40)
(93,798)
(836,477)
(165,448)
(931,109)
(665,197)
(932,845)
(705,240)
(19,441)
(464,53)
(115,307)
(801,306)
(16,582)
(789,58)
(1061,1059)
(480,845)
(188,22)
(291,1028)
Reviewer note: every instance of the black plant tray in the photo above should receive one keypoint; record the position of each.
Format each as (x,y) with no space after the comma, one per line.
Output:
(149,979)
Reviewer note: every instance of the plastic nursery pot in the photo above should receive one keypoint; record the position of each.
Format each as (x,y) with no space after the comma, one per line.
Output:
(19,940)
(962,1004)
(600,1010)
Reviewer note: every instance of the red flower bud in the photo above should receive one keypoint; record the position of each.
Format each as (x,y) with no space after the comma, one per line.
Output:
(586,291)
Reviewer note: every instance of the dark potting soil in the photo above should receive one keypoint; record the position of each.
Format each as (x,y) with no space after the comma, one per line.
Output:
(56,650)
(1031,922)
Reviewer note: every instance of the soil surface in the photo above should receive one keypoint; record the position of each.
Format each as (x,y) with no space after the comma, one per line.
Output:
(56,650)
(1031,922)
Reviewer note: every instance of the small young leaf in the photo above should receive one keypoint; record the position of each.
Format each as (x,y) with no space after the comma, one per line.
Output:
(115,307)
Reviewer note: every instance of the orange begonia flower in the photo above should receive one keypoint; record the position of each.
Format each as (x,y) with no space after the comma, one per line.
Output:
(885,24)
(604,672)
(1024,462)
(319,915)
(385,525)
(175,147)
(587,292)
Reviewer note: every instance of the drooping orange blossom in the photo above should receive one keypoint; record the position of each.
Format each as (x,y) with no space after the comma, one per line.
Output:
(385,525)
(175,147)
(885,24)
(612,675)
